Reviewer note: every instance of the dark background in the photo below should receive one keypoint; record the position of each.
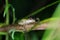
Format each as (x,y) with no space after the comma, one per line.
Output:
(25,7)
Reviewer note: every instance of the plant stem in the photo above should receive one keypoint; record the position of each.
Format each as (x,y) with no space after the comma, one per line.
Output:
(7,13)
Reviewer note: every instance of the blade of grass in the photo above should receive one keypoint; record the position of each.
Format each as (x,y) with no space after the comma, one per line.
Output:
(55,15)
(57,12)
(6,12)
(13,9)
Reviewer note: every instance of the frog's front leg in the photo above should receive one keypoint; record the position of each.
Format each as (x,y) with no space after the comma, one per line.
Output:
(11,32)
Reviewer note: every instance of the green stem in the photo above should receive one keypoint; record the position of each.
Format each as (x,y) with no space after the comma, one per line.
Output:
(14,18)
(6,2)
(13,11)
(7,13)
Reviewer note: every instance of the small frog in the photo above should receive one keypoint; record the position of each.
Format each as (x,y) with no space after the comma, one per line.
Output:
(28,21)
(22,23)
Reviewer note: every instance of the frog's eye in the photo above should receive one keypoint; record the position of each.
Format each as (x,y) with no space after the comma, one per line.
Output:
(37,19)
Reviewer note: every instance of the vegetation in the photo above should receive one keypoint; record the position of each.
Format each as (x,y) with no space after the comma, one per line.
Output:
(51,32)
